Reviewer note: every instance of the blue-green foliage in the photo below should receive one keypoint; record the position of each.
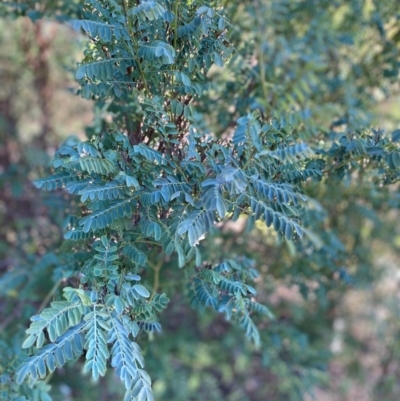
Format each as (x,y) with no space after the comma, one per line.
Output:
(224,288)
(161,180)
(100,324)
(153,181)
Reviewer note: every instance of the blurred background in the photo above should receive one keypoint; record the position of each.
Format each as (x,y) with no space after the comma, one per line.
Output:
(336,337)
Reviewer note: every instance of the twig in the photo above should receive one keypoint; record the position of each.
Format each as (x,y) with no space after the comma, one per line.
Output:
(156,282)
(50,295)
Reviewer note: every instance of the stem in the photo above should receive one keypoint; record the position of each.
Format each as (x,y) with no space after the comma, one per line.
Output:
(176,23)
(175,40)
(50,295)
(48,378)
(225,3)
(156,282)
(125,6)
(249,160)
(261,61)
(343,163)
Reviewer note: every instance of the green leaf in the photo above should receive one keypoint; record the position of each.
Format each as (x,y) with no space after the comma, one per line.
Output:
(119,305)
(396,135)
(29,341)
(141,290)
(158,51)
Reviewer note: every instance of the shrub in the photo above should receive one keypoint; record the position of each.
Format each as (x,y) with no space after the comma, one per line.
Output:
(202,122)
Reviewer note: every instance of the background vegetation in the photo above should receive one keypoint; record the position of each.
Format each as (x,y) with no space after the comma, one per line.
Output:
(321,72)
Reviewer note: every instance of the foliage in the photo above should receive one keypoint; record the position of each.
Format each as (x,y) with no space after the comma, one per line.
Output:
(202,122)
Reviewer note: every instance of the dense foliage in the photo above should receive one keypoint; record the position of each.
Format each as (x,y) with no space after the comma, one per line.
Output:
(212,121)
